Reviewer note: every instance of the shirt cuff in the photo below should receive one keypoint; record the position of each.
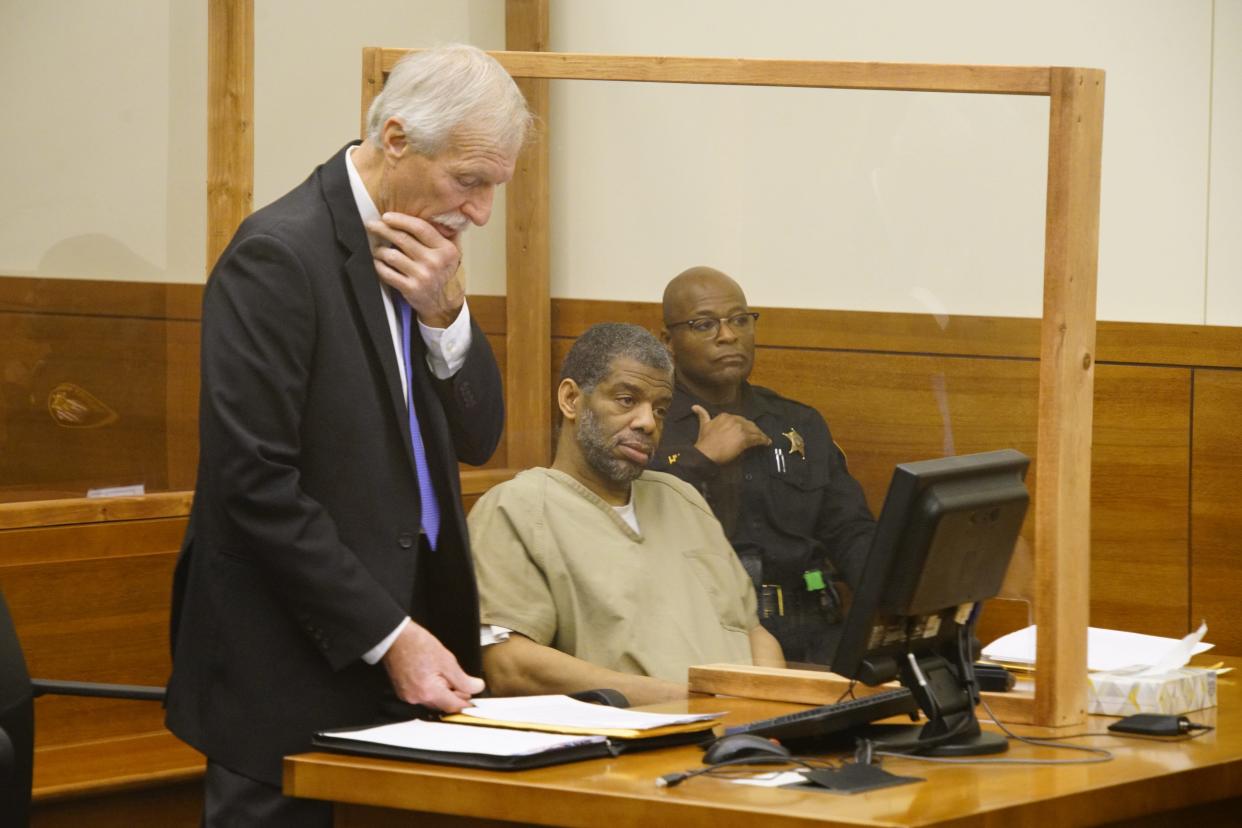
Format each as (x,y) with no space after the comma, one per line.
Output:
(447,347)
(373,655)
(491,634)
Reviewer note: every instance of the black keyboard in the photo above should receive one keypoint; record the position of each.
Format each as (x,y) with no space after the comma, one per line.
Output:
(831,719)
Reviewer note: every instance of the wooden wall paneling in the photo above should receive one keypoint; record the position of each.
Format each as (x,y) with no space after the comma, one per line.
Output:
(919,333)
(489,313)
(1150,343)
(230,120)
(500,459)
(54,326)
(1067,358)
(1140,478)
(1215,512)
(98,297)
(1140,471)
(90,540)
(181,375)
(172,806)
(90,603)
(527,257)
(885,409)
(85,396)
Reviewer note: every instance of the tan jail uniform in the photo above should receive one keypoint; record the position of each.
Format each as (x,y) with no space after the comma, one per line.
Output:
(557,564)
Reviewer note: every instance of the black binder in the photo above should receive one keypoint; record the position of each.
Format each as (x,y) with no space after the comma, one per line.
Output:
(339,740)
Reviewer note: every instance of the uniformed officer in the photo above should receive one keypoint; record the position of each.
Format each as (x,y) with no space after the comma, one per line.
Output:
(767,465)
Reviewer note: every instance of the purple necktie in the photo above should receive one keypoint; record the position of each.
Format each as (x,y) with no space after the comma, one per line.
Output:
(426,494)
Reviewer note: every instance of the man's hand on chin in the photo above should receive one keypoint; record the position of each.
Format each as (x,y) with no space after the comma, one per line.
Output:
(417,260)
(423,671)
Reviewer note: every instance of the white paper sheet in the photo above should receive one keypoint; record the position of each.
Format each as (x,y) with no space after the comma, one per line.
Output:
(566,712)
(459,738)
(771,780)
(1107,650)
(1178,653)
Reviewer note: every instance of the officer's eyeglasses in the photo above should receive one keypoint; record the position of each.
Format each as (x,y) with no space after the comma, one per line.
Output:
(708,327)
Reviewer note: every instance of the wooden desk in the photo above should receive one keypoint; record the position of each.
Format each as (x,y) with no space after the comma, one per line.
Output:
(1195,777)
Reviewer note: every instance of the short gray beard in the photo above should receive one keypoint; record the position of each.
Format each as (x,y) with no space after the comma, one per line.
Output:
(597,451)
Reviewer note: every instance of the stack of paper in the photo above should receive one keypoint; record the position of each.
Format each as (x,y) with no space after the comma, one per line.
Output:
(1107,650)
(567,730)
(435,736)
(561,714)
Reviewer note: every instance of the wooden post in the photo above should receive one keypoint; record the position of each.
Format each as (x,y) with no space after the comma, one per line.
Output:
(528,306)
(230,192)
(372,82)
(230,120)
(1066,384)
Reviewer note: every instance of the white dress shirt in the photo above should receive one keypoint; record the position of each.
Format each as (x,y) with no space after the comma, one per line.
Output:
(446,347)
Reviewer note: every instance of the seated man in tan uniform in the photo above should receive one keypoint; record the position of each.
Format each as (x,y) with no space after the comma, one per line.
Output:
(603,573)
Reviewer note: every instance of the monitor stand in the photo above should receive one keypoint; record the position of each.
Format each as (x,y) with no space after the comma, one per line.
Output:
(947,695)
(947,698)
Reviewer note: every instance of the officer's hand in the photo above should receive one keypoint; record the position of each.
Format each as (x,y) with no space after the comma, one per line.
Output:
(417,260)
(723,437)
(424,672)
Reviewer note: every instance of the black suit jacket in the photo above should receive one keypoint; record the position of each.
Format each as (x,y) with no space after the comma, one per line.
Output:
(302,551)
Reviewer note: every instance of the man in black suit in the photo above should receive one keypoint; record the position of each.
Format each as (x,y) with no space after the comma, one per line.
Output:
(327,536)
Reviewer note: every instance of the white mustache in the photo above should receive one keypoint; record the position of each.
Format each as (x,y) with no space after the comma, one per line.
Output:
(456,222)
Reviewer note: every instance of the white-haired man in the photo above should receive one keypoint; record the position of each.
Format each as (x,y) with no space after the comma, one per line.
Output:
(325,577)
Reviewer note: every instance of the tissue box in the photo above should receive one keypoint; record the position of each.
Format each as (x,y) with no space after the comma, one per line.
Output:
(1173,692)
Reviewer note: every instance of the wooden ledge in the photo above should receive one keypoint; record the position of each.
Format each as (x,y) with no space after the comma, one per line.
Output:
(108,766)
(821,687)
(74,510)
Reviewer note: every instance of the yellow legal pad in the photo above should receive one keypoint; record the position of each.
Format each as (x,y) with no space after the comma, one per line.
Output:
(615,733)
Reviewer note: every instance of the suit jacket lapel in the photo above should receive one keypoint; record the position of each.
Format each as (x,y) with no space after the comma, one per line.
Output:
(363,281)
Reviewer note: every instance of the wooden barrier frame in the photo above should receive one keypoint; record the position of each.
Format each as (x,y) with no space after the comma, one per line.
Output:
(1067,338)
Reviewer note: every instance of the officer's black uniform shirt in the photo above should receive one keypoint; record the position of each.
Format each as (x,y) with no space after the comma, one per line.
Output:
(787,508)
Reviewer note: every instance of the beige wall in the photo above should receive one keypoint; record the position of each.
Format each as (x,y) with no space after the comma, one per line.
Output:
(1223,302)
(104,138)
(813,198)
(894,201)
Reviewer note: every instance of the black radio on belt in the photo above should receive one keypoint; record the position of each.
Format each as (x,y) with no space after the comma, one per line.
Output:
(820,592)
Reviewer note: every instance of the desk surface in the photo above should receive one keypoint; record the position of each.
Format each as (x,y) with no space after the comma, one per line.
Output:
(1145,777)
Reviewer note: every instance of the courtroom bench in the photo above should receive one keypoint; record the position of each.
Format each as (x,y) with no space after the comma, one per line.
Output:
(88,583)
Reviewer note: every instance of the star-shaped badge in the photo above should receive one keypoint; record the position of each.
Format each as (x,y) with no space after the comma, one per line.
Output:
(796,444)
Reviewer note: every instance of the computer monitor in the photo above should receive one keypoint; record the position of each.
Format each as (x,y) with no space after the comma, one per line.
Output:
(941,546)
